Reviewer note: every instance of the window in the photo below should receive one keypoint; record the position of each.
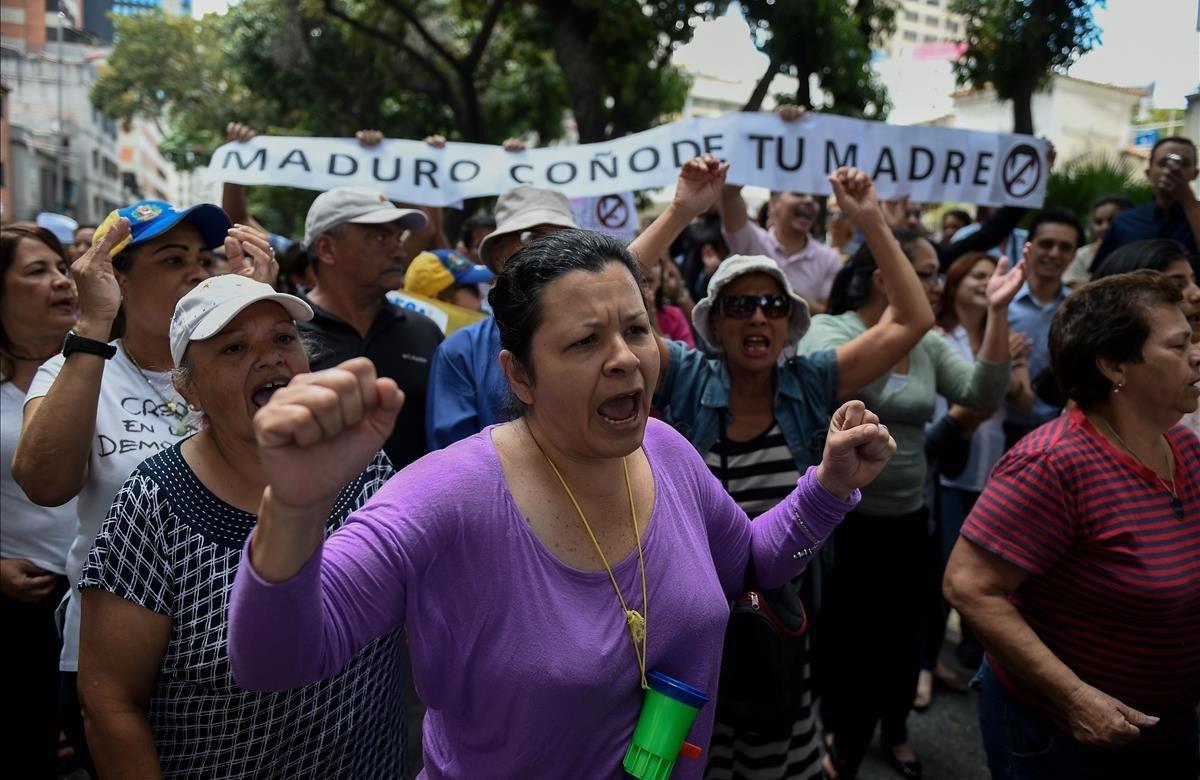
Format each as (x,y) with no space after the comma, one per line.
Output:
(931,39)
(932,21)
(951,25)
(95,160)
(909,35)
(934,3)
(911,16)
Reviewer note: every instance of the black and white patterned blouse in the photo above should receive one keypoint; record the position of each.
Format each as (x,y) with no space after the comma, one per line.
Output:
(173,547)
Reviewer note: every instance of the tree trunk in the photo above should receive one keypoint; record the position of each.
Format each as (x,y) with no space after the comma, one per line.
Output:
(1023,107)
(471,120)
(760,89)
(574,56)
(804,70)
(804,89)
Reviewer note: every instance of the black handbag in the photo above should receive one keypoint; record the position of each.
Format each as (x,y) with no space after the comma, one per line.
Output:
(762,684)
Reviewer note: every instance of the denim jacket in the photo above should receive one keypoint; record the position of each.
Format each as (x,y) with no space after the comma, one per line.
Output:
(694,399)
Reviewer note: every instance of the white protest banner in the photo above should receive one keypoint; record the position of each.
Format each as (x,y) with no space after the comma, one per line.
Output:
(404,301)
(614,215)
(925,163)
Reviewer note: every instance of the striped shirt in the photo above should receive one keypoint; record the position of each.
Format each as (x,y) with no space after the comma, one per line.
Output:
(1114,585)
(759,474)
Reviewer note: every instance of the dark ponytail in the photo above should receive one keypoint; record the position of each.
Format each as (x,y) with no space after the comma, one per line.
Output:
(852,286)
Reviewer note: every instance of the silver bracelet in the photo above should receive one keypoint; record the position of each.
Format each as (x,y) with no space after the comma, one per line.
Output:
(812,538)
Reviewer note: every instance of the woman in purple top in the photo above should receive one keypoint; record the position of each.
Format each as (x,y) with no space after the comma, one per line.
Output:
(517,558)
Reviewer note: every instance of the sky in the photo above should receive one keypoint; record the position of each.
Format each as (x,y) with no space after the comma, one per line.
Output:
(1137,48)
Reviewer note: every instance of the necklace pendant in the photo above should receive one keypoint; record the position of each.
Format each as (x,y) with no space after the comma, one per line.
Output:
(637,626)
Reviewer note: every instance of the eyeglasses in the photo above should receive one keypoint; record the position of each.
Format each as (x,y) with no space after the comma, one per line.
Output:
(742,307)
(528,235)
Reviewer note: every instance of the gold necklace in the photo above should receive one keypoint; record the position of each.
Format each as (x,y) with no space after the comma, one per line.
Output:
(635,621)
(178,428)
(1176,504)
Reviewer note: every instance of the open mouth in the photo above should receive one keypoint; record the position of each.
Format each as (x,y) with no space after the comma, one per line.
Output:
(1194,320)
(66,306)
(622,409)
(756,346)
(262,394)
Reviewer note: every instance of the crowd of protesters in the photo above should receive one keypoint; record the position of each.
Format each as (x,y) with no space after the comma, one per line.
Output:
(263,519)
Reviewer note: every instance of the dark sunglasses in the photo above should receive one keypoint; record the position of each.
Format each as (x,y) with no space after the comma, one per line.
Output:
(742,307)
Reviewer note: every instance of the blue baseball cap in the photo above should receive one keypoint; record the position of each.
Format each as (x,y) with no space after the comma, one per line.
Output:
(151,218)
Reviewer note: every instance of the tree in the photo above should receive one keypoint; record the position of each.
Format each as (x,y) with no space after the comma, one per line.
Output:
(474,70)
(831,40)
(456,51)
(292,69)
(1014,45)
(615,57)
(1076,185)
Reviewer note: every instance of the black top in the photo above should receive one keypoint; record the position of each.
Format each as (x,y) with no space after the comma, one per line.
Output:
(988,236)
(400,343)
(1146,222)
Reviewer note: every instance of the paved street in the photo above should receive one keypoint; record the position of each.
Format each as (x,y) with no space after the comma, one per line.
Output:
(945,736)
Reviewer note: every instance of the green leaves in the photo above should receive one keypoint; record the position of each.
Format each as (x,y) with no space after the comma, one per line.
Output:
(829,40)
(1013,45)
(1082,181)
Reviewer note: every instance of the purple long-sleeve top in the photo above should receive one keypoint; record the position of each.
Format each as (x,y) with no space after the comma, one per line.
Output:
(524,663)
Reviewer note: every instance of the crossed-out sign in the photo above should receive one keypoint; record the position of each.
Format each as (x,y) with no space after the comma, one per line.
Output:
(612,211)
(1022,170)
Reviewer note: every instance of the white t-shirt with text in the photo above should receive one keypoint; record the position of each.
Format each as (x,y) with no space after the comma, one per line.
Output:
(133,422)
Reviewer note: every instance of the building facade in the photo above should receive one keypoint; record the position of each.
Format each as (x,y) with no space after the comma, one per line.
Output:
(920,23)
(38,134)
(97,21)
(1082,118)
(5,157)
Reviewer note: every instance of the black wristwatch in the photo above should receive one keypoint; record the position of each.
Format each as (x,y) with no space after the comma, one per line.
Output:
(75,343)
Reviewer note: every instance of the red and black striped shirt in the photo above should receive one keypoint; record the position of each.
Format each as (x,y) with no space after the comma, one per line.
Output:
(1114,585)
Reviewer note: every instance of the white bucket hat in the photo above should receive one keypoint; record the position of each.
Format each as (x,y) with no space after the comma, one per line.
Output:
(740,265)
(209,306)
(522,208)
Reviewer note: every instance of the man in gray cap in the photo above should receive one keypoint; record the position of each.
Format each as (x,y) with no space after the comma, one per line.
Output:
(466,386)
(522,214)
(353,237)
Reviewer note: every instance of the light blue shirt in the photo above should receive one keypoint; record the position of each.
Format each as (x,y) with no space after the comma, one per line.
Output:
(1028,316)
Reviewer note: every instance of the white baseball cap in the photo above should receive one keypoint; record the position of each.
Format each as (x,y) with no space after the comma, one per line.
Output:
(359,205)
(209,306)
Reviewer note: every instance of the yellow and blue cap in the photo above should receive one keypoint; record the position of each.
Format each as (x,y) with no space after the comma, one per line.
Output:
(151,218)
(434,271)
